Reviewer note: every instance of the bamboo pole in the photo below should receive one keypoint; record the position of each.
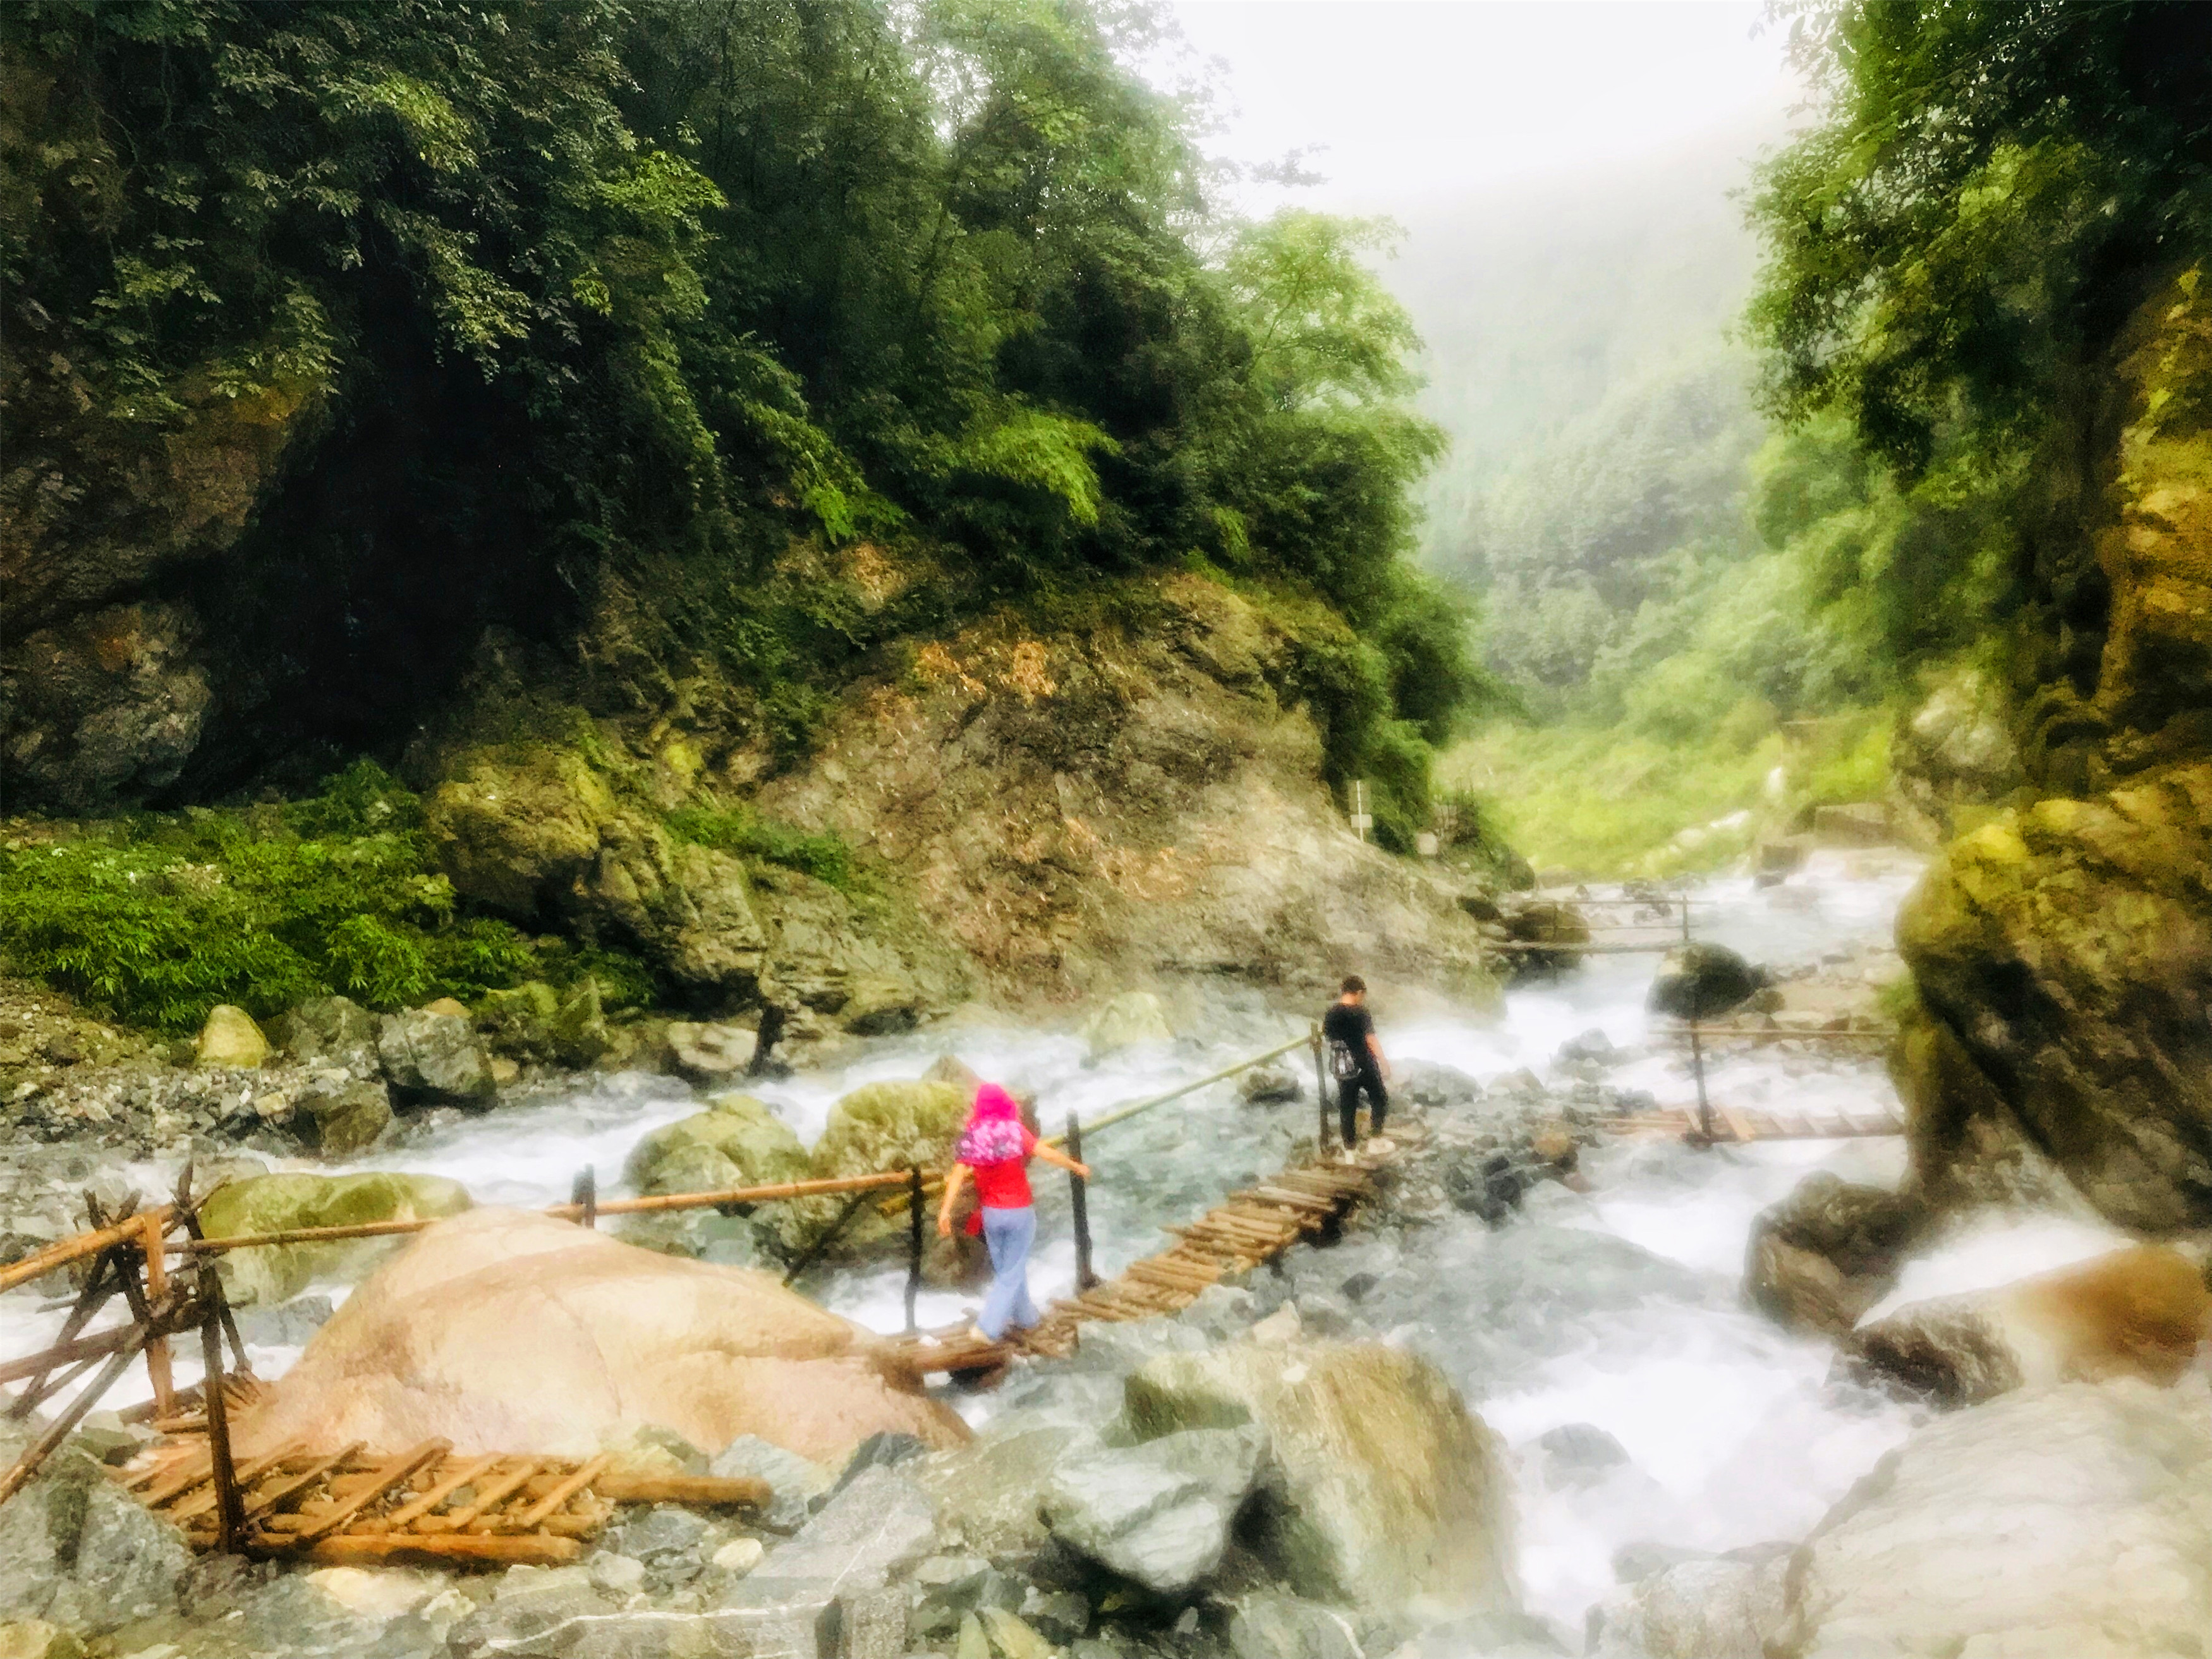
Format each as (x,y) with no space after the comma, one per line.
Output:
(153,1223)
(60,1254)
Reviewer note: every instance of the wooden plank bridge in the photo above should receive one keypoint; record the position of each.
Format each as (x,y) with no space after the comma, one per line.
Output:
(1247,1230)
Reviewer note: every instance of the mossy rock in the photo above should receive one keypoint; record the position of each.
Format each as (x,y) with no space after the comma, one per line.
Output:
(888,1125)
(284,1203)
(738,1141)
(230,1038)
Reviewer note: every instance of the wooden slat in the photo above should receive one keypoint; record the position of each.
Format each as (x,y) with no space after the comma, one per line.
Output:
(379,1481)
(200,1501)
(287,1490)
(534,1549)
(708,1491)
(1738,1125)
(450,1480)
(561,1492)
(181,1477)
(481,1516)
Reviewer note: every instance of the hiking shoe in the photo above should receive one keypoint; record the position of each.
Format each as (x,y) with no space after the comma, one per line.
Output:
(1380,1146)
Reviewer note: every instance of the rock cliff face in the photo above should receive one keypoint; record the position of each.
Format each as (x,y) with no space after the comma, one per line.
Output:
(1080,812)
(2063,951)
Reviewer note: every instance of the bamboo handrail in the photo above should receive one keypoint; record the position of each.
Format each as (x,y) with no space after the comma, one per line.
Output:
(136,1229)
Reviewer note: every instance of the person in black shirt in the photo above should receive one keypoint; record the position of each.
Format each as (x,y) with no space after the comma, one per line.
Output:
(1356,1061)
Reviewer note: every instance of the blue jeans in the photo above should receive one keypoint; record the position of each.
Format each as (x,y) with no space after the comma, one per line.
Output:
(1008,1235)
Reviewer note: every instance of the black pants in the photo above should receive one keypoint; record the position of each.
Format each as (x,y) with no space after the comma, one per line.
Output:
(1348,1103)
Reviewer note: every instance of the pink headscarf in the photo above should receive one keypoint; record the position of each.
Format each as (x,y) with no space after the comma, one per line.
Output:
(994,1135)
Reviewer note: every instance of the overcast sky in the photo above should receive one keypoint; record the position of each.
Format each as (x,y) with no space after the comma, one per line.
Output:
(1418,100)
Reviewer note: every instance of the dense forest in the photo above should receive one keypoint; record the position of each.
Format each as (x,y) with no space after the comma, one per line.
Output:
(645,339)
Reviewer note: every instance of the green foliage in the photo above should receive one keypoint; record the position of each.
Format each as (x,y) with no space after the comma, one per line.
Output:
(162,917)
(743,831)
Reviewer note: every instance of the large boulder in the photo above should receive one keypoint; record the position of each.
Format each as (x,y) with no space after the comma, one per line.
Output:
(1134,1019)
(339,1115)
(710,1055)
(503,1331)
(229,1037)
(1702,981)
(884,1126)
(2138,1312)
(1381,1489)
(1720,1608)
(432,1055)
(335,1031)
(77,1554)
(2063,958)
(1953,758)
(1159,1513)
(270,1273)
(2065,1521)
(1828,1252)
(738,1141)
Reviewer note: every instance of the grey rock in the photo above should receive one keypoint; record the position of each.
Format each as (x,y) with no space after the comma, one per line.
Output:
(1499,1635)
(1593,1045)
(616,1575)
(102,709)
(795,1482)
(435,1057)
(74,1551)
(709,1055)
(989,1491)
(339,1118)
(332,1030)
(879,1526)
(1711,1610)
(1828,1252)
(1157,1514)
(882,1450)
(1701,981)
(1274,1626)
(1062,1615)
(658,1534)
(561,1617)
(1579,1454)
(1269,1086)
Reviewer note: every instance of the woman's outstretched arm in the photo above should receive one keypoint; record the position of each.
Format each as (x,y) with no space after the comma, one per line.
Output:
(1053,1155)
(953,1183)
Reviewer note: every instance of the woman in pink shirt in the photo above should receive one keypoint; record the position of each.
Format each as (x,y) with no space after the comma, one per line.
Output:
(995,1148)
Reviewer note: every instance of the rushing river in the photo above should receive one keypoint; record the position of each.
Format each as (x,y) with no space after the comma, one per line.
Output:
(1618,1307)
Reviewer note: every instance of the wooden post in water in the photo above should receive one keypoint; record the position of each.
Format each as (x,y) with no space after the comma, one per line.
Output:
(1321,1093)
(914,1208)
(157,1288)
(229,1507)
(1078,1191)
(1697,1046)
(585,1195)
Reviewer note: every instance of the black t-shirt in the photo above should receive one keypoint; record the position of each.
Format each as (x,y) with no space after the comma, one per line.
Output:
(1351,1027)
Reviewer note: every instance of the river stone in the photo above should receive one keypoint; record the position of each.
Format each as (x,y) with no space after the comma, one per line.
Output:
(1159,1514)
(1269,1625)
(1702,981)
(738,1141)
(795,1482)
(435,1056)
(2136,1312)
(846,1556)
(883,1125)
(75,1552)
(1720,1608)
(230,1038)
(1828,1252)
(2064,1521)
(1381,1488)
(1268,1085)
(282,1203)
(1131,1020)
(516,1020)
(708,1054)
(340,1118)
(1579,1454)
(35,1639)
(335,1030)
(989,1491)
(577,1033)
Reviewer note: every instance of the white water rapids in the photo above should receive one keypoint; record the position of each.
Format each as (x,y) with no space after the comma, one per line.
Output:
(1617,1308)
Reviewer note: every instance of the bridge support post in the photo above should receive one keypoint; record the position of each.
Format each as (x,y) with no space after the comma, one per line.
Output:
(913,1243)
(1080,1197)
(1321,1094)
(229,1507)
(585,1195)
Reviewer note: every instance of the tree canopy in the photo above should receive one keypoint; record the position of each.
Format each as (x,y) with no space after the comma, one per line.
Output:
(600,299)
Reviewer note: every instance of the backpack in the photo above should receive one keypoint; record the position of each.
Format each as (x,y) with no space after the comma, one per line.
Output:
(1343,1063)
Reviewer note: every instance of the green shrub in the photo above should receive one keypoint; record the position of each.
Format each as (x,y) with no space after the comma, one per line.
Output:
(162,917)
(743,832)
